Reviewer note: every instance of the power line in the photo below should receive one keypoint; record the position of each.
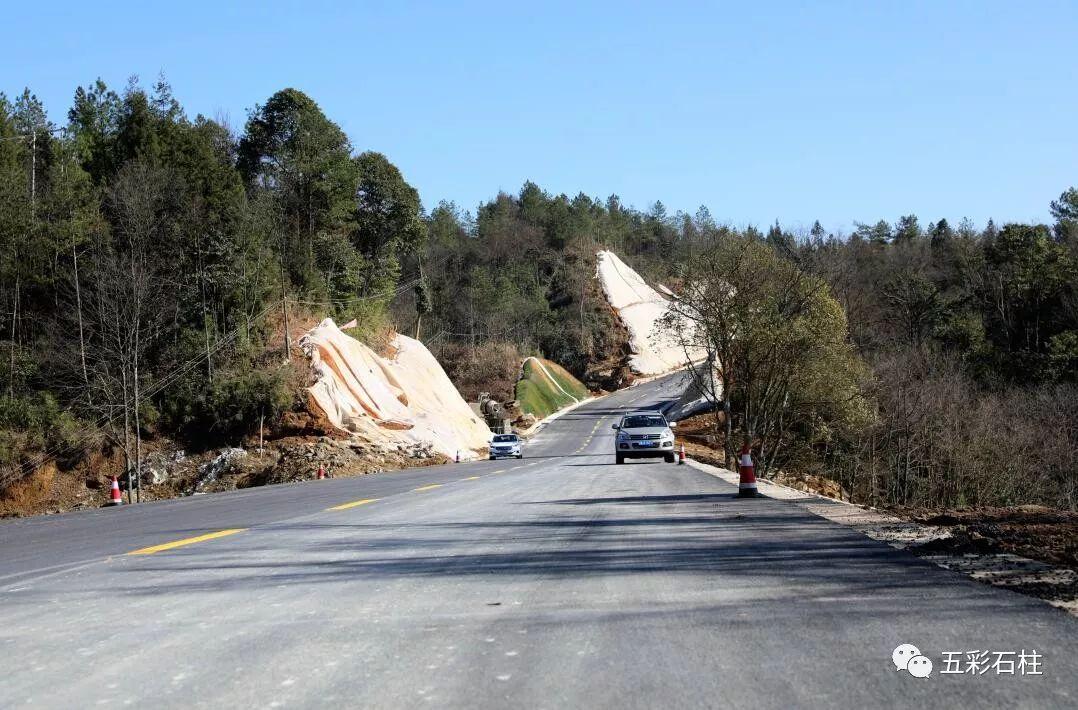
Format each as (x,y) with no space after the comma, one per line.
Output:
(168,380)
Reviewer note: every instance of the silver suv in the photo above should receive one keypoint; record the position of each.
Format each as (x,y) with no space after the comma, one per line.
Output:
(644,435)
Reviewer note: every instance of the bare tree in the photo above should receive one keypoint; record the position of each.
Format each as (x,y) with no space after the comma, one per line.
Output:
(123,305)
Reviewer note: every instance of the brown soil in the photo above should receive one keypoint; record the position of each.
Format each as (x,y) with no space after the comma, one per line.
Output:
(1032,531)
(291,458)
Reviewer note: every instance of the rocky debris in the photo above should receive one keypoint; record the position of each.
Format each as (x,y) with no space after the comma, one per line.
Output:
(609,377)
(168,471)
(223,464)
(299,459)
(525,421)
(160,467)
(1041,533)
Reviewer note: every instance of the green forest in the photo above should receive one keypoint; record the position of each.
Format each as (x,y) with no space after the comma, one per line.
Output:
(156,270)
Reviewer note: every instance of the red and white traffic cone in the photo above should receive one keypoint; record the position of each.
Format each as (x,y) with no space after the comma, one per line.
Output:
(457,460)
(681,456)
(115,498)
(321,472)
(746,488)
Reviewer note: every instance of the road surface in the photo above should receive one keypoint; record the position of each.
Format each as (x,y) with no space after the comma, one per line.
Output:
(561,580)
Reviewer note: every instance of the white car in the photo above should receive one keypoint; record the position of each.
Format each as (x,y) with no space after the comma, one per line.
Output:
(644,435)
(506,445)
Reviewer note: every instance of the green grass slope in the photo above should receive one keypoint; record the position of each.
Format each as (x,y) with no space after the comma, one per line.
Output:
(544,389)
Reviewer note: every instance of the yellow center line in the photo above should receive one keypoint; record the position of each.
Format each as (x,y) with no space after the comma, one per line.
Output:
(428,488)
(500,470)
(353,504)
(185,541)
(470,478)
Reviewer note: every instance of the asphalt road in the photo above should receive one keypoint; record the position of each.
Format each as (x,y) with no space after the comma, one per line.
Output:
(561,580)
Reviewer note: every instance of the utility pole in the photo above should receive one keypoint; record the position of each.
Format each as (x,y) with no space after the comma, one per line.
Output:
(287,329)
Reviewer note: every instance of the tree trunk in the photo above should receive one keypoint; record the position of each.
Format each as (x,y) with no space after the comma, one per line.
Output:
(287,329)
(127,430)
(138,432)
(14,319)
(82,336)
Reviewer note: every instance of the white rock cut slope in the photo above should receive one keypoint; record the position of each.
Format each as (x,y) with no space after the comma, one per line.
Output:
(640,307)
(404,399)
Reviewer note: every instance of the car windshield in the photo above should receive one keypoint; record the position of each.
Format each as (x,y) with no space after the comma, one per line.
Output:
(642,421)
(505,438)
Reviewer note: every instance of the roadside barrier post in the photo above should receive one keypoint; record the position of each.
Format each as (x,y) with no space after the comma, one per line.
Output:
(321,471)
(746,488)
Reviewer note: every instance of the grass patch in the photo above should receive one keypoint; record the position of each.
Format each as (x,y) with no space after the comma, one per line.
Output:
(542,392)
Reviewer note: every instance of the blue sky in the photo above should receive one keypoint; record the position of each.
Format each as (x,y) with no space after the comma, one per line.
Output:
(838,111)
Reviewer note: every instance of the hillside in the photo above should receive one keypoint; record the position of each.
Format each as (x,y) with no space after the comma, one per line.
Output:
(545,387)
(656,347)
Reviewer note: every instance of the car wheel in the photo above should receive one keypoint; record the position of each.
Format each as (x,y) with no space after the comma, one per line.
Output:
(493,458)
(669,458)
(520,456)
(620,459)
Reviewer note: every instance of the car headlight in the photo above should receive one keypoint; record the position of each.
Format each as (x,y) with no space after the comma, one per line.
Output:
(622,436)
(668,434)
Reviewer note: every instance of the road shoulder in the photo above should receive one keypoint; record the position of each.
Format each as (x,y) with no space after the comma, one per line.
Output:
(1055,585)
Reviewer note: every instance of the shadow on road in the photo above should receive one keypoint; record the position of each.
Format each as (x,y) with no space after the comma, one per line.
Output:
(756,545)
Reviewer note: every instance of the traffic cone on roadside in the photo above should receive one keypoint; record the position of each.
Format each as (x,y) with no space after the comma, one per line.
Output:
(115,498)
(746,488)
(681,456)
(321,472)
(457,460)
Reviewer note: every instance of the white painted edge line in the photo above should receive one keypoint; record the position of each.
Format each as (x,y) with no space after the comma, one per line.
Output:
(543,422)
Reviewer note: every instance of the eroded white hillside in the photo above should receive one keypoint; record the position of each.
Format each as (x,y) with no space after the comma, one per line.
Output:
(406,398)
(640,308)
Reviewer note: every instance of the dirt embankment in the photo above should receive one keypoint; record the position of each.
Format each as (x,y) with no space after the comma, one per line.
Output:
(296,446)
(1032,531)
(170,472)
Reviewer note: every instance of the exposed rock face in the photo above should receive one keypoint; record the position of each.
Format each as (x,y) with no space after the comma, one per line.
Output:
(226,462)
(159,467)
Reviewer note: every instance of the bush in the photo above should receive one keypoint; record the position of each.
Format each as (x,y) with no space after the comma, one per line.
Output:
(492,367)
(36,423)
(940,440)
(230,404)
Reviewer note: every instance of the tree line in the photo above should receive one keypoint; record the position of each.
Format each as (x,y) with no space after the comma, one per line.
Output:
(916,364)
(147,258)
(154,268)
